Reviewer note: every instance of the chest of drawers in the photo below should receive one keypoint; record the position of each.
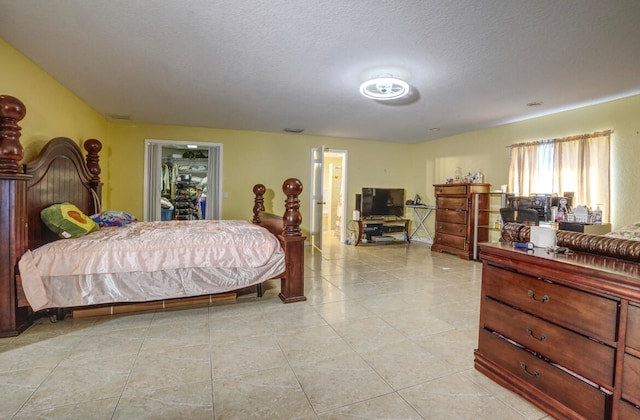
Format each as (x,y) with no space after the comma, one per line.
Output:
(456,220)
(562,331)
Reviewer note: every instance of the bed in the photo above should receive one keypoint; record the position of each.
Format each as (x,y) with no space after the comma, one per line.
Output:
(62,174)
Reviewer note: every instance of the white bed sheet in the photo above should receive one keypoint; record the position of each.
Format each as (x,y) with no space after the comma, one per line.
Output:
(147,261)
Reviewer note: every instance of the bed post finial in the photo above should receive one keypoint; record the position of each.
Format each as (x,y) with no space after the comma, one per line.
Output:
(292,218)
(12,110)
(93,147)
(258,202)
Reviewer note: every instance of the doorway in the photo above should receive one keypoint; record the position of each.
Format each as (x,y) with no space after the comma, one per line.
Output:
(328,192)
(182,180)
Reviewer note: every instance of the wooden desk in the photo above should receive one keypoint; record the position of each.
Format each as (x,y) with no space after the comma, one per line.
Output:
(376,228)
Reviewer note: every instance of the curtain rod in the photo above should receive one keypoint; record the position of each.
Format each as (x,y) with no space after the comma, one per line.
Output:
(563,139)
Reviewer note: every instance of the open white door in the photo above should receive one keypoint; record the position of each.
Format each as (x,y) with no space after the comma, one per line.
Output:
(317,199)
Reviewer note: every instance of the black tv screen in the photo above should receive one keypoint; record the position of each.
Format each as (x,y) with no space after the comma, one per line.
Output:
(381,202)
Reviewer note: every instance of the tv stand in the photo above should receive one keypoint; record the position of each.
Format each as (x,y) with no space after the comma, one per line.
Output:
(374,229)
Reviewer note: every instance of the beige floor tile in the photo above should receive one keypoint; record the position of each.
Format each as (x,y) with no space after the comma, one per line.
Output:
(404,364)
(455,347)
(250,355)
(267,394)
(456,397)
(416,322)
(291,316)
(334,312)
(76,385)
(35,355)
(162,371)
(100,409)
(161,348)
(17,386)
(310,346)
(339,381)
(511,399)
(323,292)
(385,407)
(192,401)
(367,334)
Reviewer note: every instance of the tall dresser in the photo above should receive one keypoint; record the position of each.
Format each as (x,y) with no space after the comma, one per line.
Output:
(455,227)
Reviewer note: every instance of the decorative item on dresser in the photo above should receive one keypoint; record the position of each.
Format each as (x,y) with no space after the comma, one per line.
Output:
(462,218)
(60,175)
(562,329)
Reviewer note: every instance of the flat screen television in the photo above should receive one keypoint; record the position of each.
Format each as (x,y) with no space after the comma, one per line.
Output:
(382,202)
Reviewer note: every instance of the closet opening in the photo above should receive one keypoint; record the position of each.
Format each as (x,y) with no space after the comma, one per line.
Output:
(182,180)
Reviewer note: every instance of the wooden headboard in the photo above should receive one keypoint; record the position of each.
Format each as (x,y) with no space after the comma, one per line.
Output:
(60,174)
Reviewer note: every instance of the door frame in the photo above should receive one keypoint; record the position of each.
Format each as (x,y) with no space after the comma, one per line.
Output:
(214,187)
(316,197)
(343,154)
(317,203)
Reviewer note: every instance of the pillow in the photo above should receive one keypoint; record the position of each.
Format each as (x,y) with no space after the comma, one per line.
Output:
(630,232)
(67,221)
(113,218)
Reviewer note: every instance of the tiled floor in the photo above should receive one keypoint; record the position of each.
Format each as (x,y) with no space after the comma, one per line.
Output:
(387,332)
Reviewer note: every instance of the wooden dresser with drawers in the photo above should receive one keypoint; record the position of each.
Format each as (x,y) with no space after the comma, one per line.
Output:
(562,330)
(456,221)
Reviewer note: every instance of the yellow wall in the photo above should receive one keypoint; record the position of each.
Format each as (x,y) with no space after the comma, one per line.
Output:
(486,150)
(251,157)
(52,110)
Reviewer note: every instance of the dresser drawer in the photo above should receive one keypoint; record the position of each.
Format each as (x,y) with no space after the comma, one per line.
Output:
(631,377)
(628,411)
(451,216)
(586,357)
(588,314)
(451,190)
(451,228)
(572,392)
(633,327)
(451,241)
(454,203)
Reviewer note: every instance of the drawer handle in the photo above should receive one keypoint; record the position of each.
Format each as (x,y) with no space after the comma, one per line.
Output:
(543,337)
(535,373)
(532,295)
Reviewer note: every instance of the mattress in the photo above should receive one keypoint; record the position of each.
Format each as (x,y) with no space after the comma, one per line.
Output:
(147,261)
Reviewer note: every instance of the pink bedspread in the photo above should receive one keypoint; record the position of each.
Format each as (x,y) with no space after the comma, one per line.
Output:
(150,261)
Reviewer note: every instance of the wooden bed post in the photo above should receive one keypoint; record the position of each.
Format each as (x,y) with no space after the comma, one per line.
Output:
(258,202)
(93,148)
(292,285)
(13,216)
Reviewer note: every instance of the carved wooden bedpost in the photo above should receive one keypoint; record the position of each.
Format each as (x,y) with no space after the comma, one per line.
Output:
(258,202)
(293,291)
(11,112)
(13,215)
(93,148)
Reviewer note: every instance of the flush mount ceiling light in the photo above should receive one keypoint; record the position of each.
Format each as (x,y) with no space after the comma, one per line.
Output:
(384,88)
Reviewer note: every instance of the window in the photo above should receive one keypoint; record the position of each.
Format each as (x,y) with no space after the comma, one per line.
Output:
(577,164)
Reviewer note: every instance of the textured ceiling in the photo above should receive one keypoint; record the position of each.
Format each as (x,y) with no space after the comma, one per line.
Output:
(269,65)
